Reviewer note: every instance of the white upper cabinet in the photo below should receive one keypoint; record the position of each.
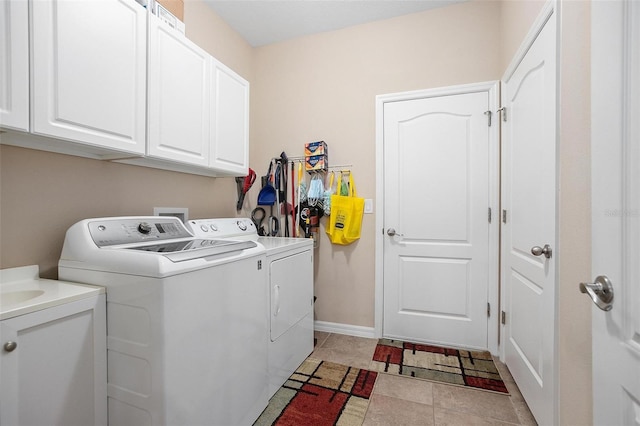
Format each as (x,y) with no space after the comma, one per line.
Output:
(179,97)
(105,79)
(14,64)
(230,124)
(89,72)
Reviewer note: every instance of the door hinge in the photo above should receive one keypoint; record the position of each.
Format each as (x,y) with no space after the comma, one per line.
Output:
(503,110)
(488,310)
(503,317)
(504,216)
(489,215)
(259,265)
(488,114)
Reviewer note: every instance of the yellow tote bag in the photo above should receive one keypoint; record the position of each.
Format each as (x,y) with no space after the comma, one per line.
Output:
(345,222)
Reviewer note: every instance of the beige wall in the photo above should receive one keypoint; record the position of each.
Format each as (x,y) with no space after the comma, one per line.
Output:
(205,28)
(42,194)
(323,87)
(517,17)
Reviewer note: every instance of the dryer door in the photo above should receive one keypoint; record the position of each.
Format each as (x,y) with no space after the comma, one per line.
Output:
(291,283)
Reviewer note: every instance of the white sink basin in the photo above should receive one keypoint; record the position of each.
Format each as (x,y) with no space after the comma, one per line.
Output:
(9,298)
(22,291)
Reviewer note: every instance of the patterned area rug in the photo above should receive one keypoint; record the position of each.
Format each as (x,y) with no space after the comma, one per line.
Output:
(451,366)
(321,393)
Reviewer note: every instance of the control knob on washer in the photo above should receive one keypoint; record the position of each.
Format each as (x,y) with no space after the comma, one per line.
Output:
(144,228)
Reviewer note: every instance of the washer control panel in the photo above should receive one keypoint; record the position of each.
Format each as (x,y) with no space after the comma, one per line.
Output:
(116,231)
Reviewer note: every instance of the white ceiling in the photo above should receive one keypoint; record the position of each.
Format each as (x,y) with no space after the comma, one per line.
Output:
(263,22)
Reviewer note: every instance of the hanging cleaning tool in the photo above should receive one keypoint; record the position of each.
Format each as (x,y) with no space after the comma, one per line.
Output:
(239,184)
(247,183)
(257,216)
(302,189)
(302,186)
(268,197)
(277,184)
(294,231)
(284,161)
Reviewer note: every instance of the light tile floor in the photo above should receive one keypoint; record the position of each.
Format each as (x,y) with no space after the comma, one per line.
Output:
(400,400)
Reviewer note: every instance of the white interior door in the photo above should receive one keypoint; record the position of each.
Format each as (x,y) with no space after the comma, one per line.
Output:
(529,220)
(436,247)
(616,209)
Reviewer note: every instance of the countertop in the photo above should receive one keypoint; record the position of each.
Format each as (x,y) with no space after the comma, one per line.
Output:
(22,291)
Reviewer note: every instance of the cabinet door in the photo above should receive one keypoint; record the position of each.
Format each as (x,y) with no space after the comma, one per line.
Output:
(179,96)
(89,71)
(230,128)
(14,64)
(56,375)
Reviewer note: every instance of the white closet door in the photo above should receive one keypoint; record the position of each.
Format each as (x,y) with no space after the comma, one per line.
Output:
(437,233)
(529,223)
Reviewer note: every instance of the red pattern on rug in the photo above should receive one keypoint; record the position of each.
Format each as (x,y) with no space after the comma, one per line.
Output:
(474,369)
(321,393)
(313,406)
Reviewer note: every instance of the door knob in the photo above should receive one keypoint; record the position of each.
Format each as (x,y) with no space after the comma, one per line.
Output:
(392,232)
(10,346)
(546,250)
(601,292)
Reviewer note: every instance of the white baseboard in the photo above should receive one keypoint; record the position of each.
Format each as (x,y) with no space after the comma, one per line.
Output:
(350,330)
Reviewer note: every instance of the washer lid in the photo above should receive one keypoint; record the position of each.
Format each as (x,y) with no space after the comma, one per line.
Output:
(178,251)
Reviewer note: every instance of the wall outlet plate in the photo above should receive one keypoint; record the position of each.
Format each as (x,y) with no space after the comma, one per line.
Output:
(368,205)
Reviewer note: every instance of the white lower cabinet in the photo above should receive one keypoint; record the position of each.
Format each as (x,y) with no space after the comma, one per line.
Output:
(56,373)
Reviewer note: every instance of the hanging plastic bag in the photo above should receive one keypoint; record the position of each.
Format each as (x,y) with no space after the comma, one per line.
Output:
(326,200)
(345,222)
(344,187)
(316,190)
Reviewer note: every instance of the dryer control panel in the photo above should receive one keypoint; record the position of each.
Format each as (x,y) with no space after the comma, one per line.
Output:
(237,228)
(116,231)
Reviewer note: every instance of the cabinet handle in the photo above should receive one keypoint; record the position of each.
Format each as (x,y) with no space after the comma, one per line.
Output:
(10,346)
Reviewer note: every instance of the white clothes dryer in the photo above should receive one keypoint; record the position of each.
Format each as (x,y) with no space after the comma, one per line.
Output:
(186,320)
(290,280)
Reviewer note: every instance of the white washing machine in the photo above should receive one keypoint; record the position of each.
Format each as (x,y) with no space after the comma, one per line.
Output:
(186,320)
(290,280)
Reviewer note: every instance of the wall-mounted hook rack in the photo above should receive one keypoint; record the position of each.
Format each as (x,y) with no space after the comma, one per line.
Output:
(346,167)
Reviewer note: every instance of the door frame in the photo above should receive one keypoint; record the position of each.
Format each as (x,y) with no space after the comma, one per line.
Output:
(492,89)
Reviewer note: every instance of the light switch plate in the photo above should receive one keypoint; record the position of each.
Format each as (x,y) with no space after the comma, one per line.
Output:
(368,205)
